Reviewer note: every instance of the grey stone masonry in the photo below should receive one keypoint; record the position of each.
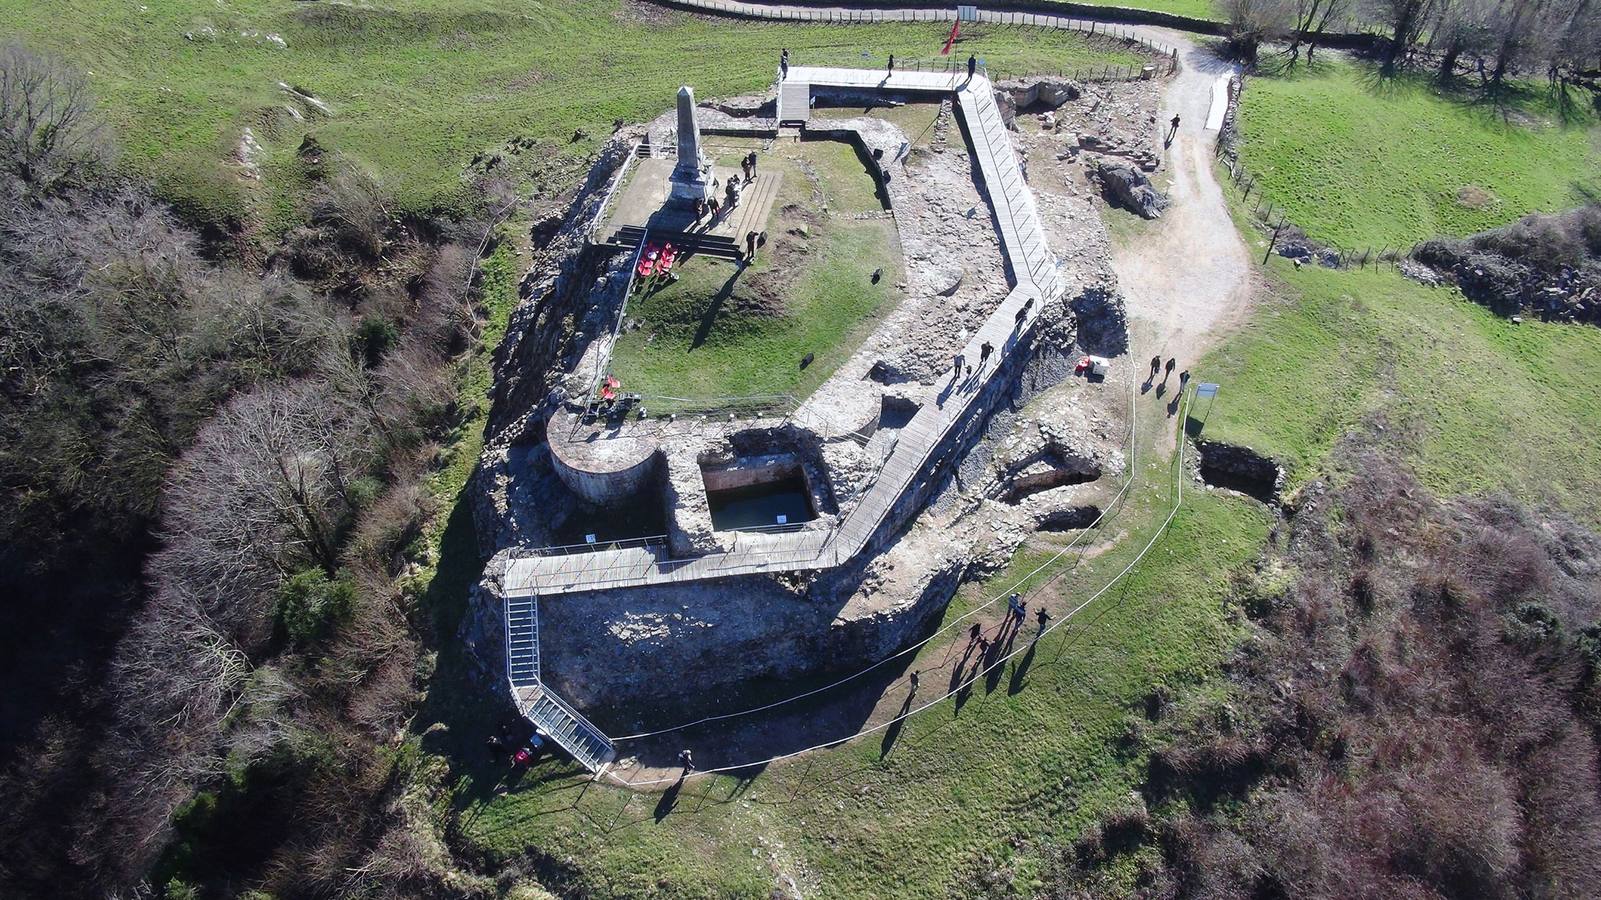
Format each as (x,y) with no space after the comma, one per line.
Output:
(1008,332)
(691,178)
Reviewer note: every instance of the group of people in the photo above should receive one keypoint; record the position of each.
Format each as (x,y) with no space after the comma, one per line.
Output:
(1172,363)
(731,192)
(655,263)
(523,753)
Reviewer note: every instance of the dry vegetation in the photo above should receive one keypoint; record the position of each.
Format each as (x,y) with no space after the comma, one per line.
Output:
(1414,714)
(211,474)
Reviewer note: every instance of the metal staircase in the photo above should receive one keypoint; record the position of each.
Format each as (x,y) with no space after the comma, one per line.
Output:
(522,640)
(576,734)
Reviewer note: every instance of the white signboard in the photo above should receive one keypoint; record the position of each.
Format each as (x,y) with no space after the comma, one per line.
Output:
(967,13)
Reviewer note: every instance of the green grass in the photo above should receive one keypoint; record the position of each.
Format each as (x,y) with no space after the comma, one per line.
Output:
(712,335)
(1197,9)
(1362,161)
(418,87)
(1475,402)
(1010,771)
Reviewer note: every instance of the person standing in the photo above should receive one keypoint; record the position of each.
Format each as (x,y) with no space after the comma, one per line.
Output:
(912,680)
(972,66)
(783,64)
(891,70)
(715,208)
(750,247)
(687,760)
(984,352)
(1042,617)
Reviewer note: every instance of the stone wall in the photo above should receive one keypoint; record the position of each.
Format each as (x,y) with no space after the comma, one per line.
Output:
(606,488)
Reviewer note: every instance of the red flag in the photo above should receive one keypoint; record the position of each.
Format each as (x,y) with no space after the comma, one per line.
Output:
(956,30)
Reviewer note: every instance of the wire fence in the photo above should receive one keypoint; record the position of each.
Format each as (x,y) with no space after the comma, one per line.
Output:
(1109,33)
(1331,255)
(1176,477)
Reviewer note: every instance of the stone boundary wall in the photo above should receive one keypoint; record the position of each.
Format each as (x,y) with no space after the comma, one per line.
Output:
(1123,15)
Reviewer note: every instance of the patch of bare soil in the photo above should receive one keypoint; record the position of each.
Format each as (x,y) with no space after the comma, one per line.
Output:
(788,250)
(638,12)
(1471,196)
(524,81)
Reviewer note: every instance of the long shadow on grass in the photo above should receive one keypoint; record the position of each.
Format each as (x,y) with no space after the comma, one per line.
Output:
(709,318)
(1492,108)
(1081,629)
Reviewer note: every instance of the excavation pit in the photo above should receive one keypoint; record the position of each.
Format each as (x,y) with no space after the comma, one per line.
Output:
(766,492)
(1052,469)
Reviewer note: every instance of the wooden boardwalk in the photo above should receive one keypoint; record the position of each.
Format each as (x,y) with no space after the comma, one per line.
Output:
(1035,280)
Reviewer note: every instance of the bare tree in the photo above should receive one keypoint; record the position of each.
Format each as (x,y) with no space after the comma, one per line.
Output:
(1515,23)
(1253,22)
(1406,19)
(1460,27)
(1312,19)
(1573,36)
(46,127)
(264,492)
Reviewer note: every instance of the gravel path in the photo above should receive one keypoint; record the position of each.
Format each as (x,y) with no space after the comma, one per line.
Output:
(1188,279)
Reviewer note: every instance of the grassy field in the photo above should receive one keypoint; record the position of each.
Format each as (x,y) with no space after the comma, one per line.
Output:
(721,331)
(415,88)
(1021,765)
(1475,402)
(1362,161)
(1198,9)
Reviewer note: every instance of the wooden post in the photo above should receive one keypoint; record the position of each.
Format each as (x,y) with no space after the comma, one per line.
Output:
(1272,243)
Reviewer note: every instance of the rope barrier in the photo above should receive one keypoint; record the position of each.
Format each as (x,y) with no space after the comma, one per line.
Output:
(1116,500)
(1178,501)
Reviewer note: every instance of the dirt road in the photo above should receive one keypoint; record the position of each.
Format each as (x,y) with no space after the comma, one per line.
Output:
(1189,278)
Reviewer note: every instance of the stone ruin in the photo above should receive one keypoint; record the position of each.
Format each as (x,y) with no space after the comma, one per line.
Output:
(609,650)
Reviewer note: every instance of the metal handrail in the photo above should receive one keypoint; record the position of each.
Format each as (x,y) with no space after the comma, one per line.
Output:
(611,192)
(622,309)
(655,540)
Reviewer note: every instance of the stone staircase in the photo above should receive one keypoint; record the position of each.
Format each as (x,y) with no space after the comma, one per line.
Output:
(750,215)
(687,242)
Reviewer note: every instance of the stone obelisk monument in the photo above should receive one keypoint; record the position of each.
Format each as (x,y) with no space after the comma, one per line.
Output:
(692,177)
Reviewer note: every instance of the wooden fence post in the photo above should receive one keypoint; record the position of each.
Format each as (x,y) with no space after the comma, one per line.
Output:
(1272,243)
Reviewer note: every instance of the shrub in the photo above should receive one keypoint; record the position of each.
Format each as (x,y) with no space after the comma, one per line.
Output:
(310,605)
(374,336)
